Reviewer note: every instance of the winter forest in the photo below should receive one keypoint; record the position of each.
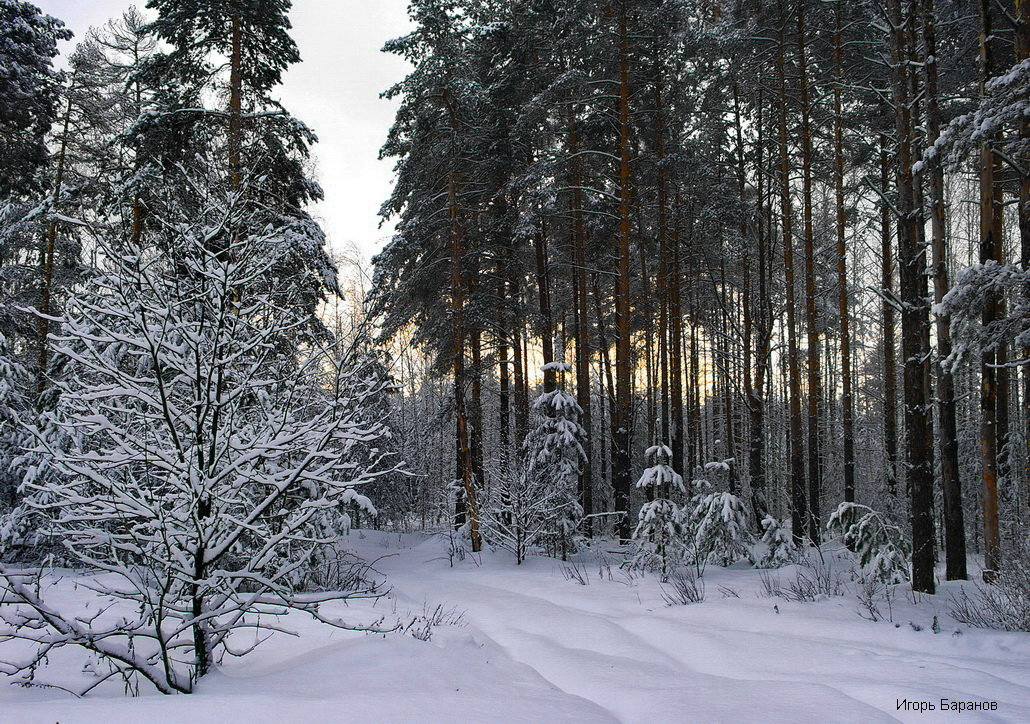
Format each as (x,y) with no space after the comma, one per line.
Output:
(690,383)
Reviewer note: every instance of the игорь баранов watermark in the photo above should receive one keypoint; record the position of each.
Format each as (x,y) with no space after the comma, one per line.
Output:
(944,704)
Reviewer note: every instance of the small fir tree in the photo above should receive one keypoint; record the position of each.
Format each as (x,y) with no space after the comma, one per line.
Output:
(660,531)
(554,453)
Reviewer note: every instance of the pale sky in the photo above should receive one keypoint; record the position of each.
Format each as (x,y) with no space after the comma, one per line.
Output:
(334,89)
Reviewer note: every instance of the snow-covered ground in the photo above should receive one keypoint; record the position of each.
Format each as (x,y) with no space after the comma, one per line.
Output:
(534,645)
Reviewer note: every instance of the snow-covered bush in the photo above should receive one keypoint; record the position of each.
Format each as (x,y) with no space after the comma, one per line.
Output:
(684,588)
(1003,604)
(212,443)
(810,583)
(718,530)
(520,509)
(779,544)
(14,382)
(333,569)
(881,547)
(660,533)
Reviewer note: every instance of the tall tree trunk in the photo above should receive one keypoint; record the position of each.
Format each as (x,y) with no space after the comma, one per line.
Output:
(847,402)
(503,393)
(815,386)
(800,516)
(763,332)
(608,381)
(676,431)
(694,392)
(914,316)
(747,312)
(991,246)
(650,373)
(476,409)
(726,384)
(951,484)
(519,372)
(916,94)
(543,286)
(622,423)
(235,140)
(890,373)
(46,256)
(663,259)
(468,512)
(1022,54)
(582,319)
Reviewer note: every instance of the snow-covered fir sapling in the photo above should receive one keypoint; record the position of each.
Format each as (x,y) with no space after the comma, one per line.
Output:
(533,501)
(554,452)
(717,523)
(881,547)
(779,544)
(660,530)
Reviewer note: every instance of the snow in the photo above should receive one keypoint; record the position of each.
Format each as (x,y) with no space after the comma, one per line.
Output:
(535,646)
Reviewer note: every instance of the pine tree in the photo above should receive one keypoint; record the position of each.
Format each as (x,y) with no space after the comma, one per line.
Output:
(263,148)
(28,93)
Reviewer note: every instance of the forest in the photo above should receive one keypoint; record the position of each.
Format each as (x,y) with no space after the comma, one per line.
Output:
(682,298)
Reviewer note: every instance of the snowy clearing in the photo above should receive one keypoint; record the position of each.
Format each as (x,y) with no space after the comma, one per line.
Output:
(535,645)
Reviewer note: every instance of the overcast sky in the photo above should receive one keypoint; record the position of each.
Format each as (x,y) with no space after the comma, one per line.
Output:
(334,89)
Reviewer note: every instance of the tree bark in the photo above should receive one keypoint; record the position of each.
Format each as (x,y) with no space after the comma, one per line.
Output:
(622,423)
(815,386)
(543,286)
(1022,13)
(914,316)
(800,516)
(467,508)
(46,257)
(675,312)
(582,320)
(951,484)
(847,401)
(235,140)
(890,373)
(763,332)
(991,217)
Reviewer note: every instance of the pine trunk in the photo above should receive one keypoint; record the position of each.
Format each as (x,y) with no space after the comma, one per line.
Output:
(800,516)
(890,368)
(582,320)
(951,484)
(622,419)
(544,297)
(847,402)
(815,385)
(675,313)
(914,317)
(235,139)
(1022,54)
(991,396)
(46,259)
